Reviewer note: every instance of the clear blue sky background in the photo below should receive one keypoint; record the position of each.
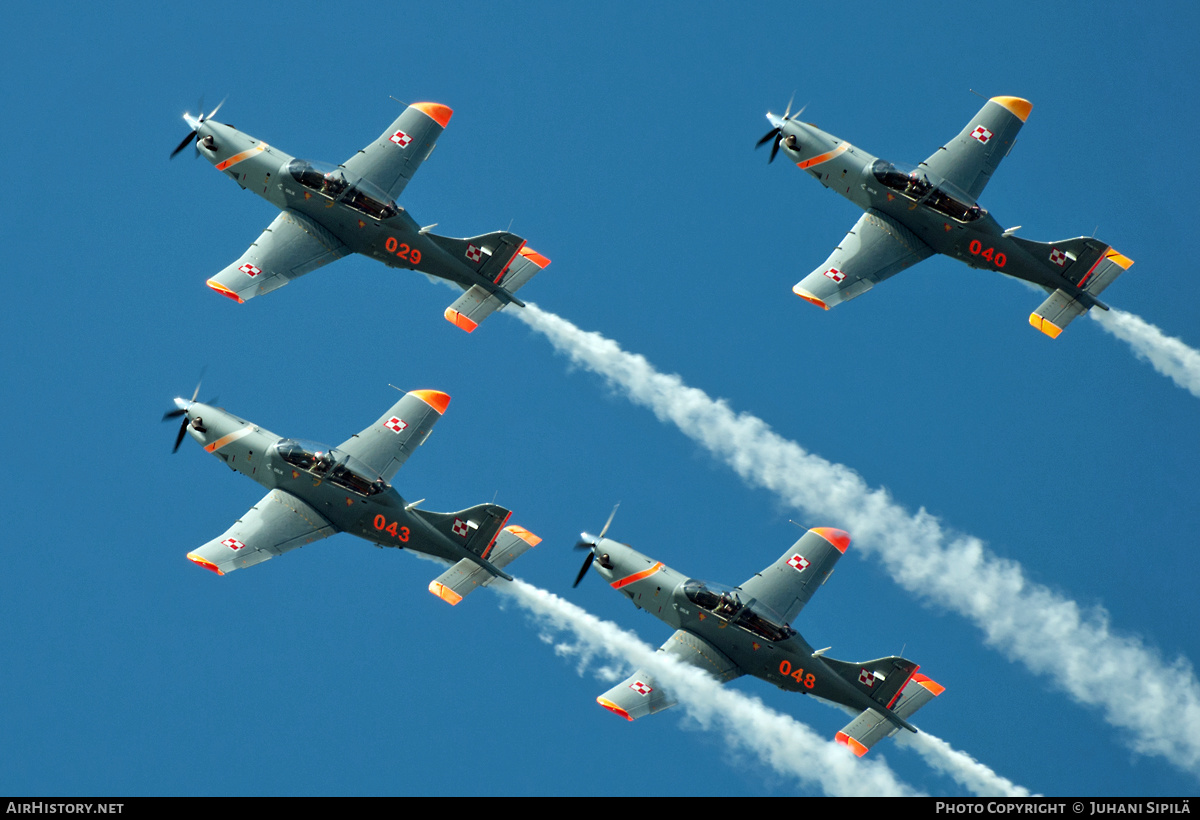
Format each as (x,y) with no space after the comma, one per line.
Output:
(619,140)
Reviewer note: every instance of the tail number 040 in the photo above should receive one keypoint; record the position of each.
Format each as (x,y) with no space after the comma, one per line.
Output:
(991,255)
(808,680)
(402,250)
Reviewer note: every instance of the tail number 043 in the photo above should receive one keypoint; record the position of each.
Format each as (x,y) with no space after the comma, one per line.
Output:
(402,250)
(808,680)
(391,528)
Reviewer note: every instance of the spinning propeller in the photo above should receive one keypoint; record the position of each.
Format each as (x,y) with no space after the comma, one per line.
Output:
(195,123)
(589,542)
(181,409)
(777,132)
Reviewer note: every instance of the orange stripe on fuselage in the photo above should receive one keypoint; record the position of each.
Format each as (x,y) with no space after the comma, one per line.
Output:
(497,535)
(236,158)
(828,155)
(637,576)
(229,439)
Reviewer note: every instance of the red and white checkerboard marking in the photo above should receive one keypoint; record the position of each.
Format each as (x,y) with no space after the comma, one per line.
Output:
(867,678)
(982,134)
(250,270)
(460,528)
(641,688)
(400,138)
(396,425)
(1058,257)
(474,253)
(798,562)
(233,544)
(835,274)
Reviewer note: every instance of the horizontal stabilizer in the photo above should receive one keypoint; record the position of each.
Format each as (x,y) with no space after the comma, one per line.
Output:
(469,532)
(466,576)
(1088,266)
(872,726)
(478,302)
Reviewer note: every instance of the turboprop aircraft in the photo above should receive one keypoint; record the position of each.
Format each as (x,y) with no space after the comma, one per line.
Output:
(315,491)
(913,213)
(745,631)
(328,212)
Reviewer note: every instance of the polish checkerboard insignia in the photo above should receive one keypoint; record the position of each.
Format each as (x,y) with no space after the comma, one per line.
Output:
(460,528)
(641,688)
(1058,257)
(867,678)
(474,253)
(982,134)
(233,544)
(400,138)
(396,425)
(798,562)
(250,270)
(835,274)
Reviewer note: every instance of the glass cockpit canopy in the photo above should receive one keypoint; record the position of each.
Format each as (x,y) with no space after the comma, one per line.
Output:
(332,465)
(727,604)
(331,182)
(915,184)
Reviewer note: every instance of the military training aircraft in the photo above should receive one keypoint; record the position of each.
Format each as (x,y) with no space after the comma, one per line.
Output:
(913,213)
(733,632)
(328,212)
(316,491)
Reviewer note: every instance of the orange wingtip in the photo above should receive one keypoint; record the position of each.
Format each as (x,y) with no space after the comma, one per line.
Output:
(1118,258)
(808,297)
(435,111)
(612,707)
(1018,107)
(224,291)
(840,539)
(524,534)
(534,257)
(854,745)
(459,321)
(204,562)
(1046,326)
(436,399)
(445,593)
(933,686)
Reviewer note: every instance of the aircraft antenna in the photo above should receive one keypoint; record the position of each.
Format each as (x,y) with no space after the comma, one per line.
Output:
(790,521)
(402,102)
(977,94)
(394,387)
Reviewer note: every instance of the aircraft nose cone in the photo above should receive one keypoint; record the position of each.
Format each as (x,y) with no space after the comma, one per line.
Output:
(182,404)
(775,121)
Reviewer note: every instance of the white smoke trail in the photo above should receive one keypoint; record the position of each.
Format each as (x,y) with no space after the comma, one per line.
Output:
(964,769)
(789,747)
(1050,634)
(1166,354)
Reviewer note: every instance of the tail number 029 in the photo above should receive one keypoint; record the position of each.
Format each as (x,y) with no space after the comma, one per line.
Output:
(402,250)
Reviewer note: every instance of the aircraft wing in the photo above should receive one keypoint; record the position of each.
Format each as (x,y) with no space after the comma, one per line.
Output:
(968,160)
(391,160)
(876,247)
(786,585)
(290,247)
(278,523)
(387,444)
(640,694)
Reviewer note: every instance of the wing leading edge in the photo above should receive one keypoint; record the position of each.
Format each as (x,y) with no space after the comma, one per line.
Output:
(278,523)
(968,161)
(787,585)
(392,159)
(387,444)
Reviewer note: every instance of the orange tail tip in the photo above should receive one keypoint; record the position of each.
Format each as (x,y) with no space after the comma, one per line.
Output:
(204,562)
(534,257)
(1049,328)
(808,297)
(853,744)
(445,593)
(459,321)
(840,539)
(524,534)
(1018,107)
(436,399)
(435,111)
(612,707)
(933,686)
(224,291)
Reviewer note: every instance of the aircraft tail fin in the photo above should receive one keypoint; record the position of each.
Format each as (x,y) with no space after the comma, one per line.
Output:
(1088,264)
(473,530)
(871,726)
(466,576)
(501,258)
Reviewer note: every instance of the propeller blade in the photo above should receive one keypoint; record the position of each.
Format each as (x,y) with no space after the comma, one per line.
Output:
(213,113)
(773,132)
(774,151)
(184,144)
(173,414)
(179,438)
(587,564)
(611,516)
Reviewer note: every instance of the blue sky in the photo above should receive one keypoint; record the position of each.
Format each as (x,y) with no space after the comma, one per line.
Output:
(619,141)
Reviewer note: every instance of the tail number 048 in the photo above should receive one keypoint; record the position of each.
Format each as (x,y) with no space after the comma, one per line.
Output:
(809,680)
(402,250)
